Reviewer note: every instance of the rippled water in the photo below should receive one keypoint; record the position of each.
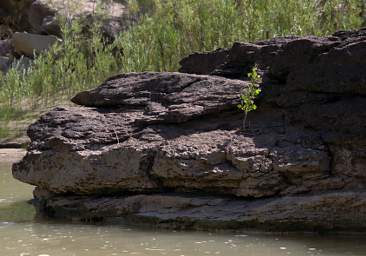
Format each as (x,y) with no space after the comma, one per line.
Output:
(20,235)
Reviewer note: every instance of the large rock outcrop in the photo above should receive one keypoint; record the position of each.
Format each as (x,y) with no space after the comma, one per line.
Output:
(167,148)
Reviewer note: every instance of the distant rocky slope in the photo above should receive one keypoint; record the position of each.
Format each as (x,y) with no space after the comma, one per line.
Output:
(167,149)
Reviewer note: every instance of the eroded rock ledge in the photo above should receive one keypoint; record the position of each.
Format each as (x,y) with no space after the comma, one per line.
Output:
(167,147)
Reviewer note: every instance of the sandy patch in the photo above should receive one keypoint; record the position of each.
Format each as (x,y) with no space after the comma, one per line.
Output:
(10,155)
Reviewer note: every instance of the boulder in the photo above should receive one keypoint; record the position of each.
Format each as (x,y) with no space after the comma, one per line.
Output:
(203,63)
(5,63)
(30,44)
(5,48)
(168,148)
(42,15)
(50,25)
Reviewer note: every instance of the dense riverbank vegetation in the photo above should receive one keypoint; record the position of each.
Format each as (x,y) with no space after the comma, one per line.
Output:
(167,30)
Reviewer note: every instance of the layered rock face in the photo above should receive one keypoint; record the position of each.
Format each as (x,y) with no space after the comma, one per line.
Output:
(168,149)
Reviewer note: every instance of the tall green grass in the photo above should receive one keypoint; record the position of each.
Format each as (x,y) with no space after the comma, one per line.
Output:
(167,31)
(81,61)
(73,65)
(180,27)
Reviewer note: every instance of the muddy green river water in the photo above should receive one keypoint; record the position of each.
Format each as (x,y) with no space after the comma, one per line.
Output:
(21,235)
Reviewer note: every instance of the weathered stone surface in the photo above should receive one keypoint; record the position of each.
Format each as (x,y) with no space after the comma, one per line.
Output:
(203,63)
(167,97)
(330,211)
(5,48)
(29,44)
(42,15)
(155,145)
(39,15)
(319,65)
(5,63)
